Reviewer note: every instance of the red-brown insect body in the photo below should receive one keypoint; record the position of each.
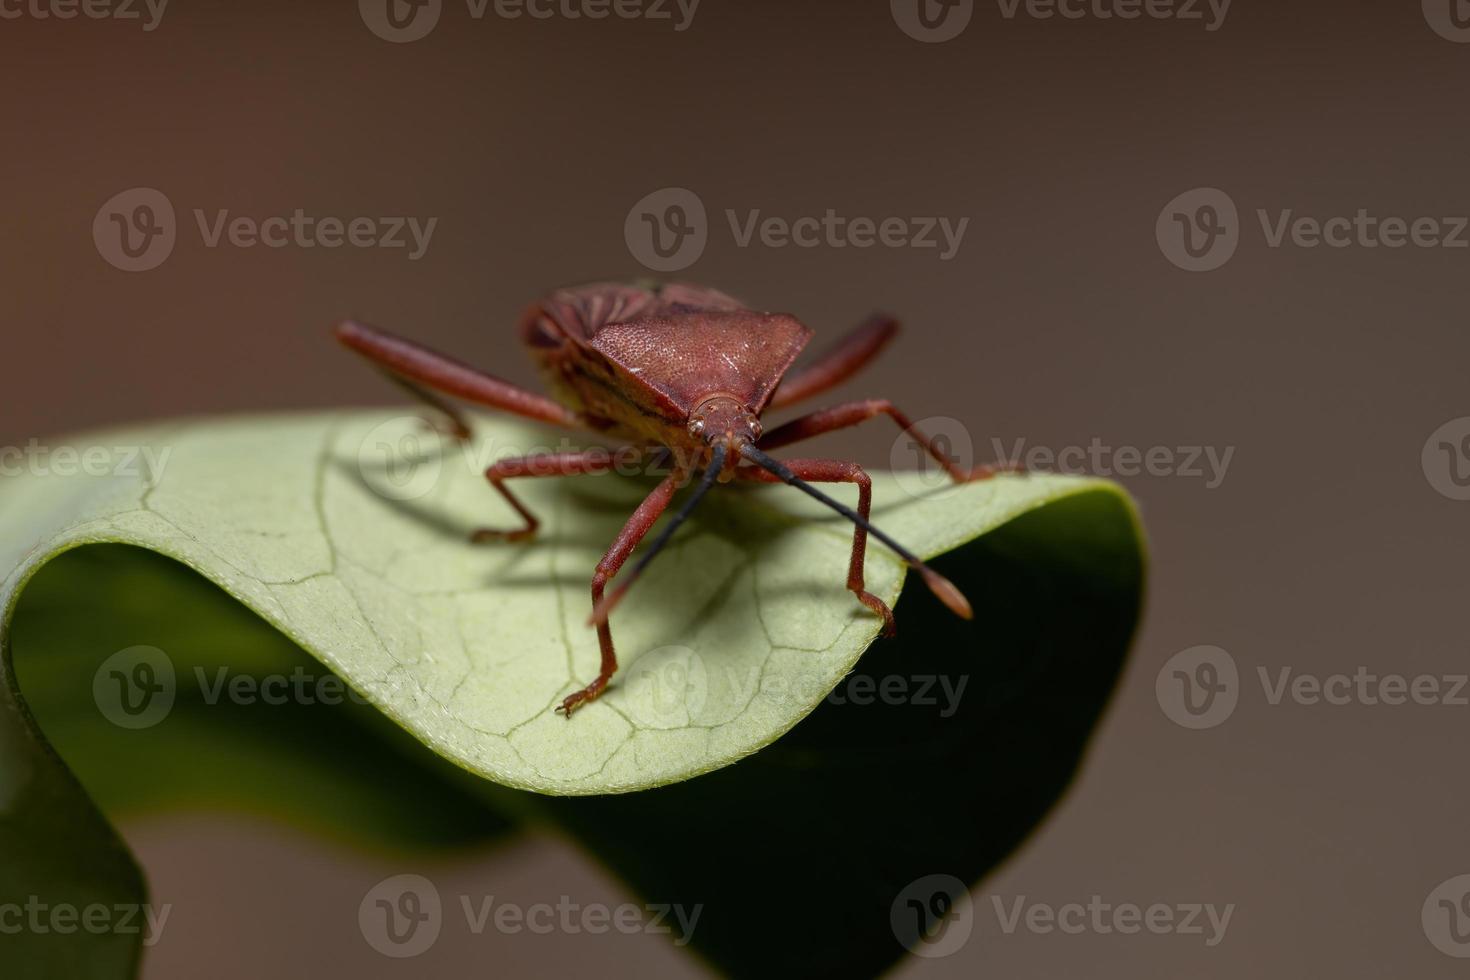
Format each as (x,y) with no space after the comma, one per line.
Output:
(678,365)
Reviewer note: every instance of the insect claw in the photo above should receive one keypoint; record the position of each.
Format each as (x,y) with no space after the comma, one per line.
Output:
(576,699)
(881,608)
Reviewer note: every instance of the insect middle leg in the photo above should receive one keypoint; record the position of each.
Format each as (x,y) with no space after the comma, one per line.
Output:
(852,413)
(544,464)
(638,525)
(838,471)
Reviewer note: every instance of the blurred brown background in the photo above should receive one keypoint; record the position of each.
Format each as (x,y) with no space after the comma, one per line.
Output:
(1326,547)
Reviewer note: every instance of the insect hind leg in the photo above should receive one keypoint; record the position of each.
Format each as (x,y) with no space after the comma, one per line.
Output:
(419,369)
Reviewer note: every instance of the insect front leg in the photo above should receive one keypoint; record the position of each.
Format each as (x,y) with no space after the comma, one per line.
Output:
(543,464)
(852,413)
(842,360)
(838,471)
(638,525)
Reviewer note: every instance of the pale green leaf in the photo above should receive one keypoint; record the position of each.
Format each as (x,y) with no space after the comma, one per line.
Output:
(320,530)
(350,534)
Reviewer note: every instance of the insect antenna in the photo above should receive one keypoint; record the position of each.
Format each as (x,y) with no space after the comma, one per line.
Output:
(944,590)
(711,473)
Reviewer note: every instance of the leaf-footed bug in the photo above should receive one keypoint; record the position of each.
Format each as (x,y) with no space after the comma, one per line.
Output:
(676,368)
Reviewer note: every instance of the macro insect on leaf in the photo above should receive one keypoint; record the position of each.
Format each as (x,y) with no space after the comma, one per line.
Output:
(680,373)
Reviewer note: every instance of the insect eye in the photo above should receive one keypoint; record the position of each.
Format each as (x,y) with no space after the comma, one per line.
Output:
(697,427)
(755,429)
